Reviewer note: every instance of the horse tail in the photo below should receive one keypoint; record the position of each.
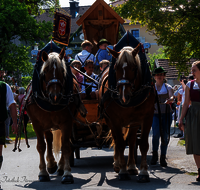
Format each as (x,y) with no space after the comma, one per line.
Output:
(125,131)
(109,137)
(57,142)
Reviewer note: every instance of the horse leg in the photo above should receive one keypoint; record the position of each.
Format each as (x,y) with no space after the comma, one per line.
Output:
(41,147)
(119,147)
(51,163)
(66,152)
(144,146)
(131,166)
(60,170)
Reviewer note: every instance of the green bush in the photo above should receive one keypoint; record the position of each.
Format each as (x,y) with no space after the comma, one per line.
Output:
(25,81)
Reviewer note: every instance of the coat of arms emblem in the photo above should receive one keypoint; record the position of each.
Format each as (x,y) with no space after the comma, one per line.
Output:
(62,27)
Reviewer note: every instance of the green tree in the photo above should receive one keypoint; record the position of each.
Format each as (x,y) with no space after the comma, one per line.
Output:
(160,54)
(175,23)
(18,23)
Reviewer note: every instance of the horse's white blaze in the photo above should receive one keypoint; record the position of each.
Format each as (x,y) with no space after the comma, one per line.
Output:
(123,97)
(54,74)
(124,65)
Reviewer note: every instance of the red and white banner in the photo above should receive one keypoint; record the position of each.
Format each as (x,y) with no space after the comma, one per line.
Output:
(61,28)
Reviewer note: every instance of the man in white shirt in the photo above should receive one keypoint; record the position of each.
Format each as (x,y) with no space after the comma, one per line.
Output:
(6,101)
(85,54)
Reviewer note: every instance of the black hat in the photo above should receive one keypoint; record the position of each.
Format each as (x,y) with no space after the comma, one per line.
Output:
(159,70)
(102,41)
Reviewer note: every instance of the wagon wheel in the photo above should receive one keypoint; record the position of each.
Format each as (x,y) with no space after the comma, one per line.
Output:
(77,153)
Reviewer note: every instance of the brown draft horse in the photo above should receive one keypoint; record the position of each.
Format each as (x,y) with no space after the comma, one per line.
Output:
(119,116)
(54,72)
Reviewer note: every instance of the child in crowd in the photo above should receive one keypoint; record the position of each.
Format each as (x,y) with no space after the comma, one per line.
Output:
(79,77)
(104,64)
(89,86)
(102,54)
(182,99)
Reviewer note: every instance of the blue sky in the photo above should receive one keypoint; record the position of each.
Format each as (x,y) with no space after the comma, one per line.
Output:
(65,3)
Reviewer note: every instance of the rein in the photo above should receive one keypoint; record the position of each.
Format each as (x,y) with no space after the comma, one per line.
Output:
(95,81)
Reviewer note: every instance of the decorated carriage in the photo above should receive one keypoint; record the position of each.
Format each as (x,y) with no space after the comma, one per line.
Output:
(125,104)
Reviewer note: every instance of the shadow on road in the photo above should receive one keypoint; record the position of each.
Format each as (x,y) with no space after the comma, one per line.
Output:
(96,171)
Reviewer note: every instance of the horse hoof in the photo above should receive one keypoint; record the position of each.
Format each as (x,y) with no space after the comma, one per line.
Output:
(133,172)
(116,169)
(60,172)
(67,179)
(143,179)
(44,178)
(124,177)
(52,170)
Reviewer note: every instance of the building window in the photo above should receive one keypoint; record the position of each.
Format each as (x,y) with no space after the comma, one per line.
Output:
(135,33)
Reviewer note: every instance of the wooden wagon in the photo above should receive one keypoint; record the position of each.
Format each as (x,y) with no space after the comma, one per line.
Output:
(100,21)
(89,132)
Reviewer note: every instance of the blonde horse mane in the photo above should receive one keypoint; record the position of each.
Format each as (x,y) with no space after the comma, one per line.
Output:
(54,58)
(126,56)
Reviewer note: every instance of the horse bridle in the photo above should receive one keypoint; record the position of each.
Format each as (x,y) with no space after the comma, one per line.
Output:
(124,81)
(49,83)
(53,81)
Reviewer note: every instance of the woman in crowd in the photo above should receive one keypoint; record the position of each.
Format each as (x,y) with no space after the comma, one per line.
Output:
(164,92)
(20,101)
(192,125)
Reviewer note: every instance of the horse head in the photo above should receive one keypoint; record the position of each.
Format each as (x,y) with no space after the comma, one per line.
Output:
(128,72)
(53,75)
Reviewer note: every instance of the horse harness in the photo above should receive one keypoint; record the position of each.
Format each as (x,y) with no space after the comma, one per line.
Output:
(48,84)
(140,95)
(124,81)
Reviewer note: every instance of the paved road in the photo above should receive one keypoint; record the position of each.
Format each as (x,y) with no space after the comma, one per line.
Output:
(94,171)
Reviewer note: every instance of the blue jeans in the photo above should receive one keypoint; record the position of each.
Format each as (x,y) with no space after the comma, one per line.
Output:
(166,120)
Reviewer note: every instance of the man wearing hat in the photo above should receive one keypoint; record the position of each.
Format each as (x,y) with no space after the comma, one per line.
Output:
(102,53)
(165,96)
(85,54)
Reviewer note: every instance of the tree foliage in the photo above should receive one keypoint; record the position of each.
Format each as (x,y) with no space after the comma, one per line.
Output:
(17,24)
(160,54)
(175,23)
